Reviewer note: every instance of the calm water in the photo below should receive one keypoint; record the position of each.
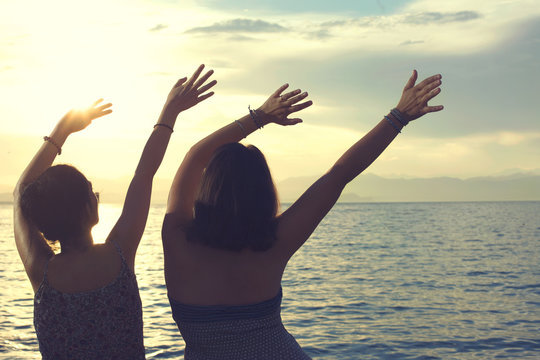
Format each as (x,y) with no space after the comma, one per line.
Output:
(375,281)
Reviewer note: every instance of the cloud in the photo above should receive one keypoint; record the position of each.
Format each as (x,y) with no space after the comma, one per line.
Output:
(239,26)
(440,17)
(411,42)
(159,27)
(421,18)
(320,34)
(365,21)
(379,23)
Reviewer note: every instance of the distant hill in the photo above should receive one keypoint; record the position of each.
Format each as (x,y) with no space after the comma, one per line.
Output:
(373,188)
(368,188)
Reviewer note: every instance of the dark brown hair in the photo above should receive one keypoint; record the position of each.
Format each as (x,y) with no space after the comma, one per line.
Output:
(56,202)
(236,205)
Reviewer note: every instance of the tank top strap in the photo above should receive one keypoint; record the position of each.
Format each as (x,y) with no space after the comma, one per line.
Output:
(119,250)
(46,270)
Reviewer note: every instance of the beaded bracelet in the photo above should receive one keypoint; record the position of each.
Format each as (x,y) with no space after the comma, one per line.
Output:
(164,125)
(399,116)
(49,140)
(392,123)
(254,117)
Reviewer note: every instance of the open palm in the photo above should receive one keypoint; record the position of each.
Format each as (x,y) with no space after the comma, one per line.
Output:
(78,119)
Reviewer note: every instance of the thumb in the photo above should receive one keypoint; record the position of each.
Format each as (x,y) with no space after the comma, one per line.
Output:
(292,121)
(180,82)
(412,81)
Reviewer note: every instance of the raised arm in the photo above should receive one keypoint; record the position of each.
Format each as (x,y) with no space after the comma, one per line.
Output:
(298,222)
(130,226)
(31,245)
(276,109)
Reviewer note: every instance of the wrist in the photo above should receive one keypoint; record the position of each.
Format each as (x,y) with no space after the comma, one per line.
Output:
(392,121)
(57,138)
(256,117)
(167,117)
(60,133)
(263,117)
(400,116)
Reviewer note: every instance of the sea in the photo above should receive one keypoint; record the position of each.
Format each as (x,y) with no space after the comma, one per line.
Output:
(375,281)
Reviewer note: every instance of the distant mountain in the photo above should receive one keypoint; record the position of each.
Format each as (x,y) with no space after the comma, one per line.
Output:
(368,188)
(517,172)
(373,188)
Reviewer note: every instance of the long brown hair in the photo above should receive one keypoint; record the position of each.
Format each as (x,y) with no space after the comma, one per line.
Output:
(237,203)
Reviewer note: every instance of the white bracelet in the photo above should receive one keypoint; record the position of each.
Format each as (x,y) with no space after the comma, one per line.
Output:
(241,127)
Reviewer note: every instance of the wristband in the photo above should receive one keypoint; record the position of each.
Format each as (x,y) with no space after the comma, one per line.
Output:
(392,123)
(164,125)
(399,116)
(254,117)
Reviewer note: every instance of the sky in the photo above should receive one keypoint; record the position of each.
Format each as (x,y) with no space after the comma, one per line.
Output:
(353,57)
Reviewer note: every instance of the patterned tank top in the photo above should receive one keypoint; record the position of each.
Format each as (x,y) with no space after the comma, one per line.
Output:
(239,332)
(100,324)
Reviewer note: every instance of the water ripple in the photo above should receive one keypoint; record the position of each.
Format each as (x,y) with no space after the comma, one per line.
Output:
(375,281)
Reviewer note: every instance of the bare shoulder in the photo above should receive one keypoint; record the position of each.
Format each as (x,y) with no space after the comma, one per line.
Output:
(86,271)
(173,231)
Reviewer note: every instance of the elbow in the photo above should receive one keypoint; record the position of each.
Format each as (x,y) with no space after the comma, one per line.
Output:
(194,150)
(18,190)
(195,155)
(142,178)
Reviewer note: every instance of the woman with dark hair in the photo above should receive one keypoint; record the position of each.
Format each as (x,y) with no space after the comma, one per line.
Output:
(87,303)
(225,246)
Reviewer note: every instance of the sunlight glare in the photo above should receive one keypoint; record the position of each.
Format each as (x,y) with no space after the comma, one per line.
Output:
(108,215)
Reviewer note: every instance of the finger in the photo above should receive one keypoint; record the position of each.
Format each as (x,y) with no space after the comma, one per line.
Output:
(194,76)
(428,80)
(429,109)
(206,87)
(290,94)
(296,99)
(294,121)
(203,79)
(204,97)
(97,102)
(180,82)
(430,95)
(280,90)
(103,113)
(301,106)
(429,87)
(411,81)
(103,107)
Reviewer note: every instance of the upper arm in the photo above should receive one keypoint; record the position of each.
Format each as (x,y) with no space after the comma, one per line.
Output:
(184,188)
(33,249)
(299,221)
(128,230)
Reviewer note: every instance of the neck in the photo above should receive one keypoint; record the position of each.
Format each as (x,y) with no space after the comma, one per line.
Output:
(78,243)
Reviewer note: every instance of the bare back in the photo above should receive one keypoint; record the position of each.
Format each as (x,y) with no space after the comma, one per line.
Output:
(84,271)
(201,275)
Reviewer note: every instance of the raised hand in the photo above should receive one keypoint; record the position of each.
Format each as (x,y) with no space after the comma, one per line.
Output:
(414,99)
(278,107)
(78,119)
(188,93)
